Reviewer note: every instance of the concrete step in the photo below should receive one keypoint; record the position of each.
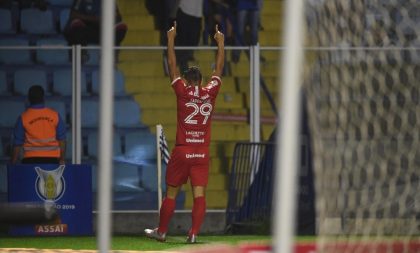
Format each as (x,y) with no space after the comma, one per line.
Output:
(140,22)
(130,55)
(141,38)
(143,68)
(157,101)
(132,7)
(230,100)
(273,7)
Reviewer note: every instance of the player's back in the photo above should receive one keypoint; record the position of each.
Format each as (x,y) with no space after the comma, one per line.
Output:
(195,106)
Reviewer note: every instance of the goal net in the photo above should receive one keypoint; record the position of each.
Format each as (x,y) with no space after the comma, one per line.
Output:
(363,97)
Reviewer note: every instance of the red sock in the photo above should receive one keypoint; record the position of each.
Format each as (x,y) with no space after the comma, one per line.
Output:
(198,213)
(166,212)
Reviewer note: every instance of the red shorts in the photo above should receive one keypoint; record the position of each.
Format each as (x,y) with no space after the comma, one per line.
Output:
(188,162)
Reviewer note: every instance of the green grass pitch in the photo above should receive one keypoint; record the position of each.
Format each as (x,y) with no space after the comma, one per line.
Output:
(135,243)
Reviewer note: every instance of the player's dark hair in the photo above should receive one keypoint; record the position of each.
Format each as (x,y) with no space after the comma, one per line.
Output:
(193,75)
(36,95)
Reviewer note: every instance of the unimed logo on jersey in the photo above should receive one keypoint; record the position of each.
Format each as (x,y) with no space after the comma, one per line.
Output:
(50,184)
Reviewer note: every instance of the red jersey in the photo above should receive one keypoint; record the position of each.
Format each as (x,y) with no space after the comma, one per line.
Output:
(195,106)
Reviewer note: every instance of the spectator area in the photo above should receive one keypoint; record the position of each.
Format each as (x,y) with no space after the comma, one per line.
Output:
(134,175)
(142,91)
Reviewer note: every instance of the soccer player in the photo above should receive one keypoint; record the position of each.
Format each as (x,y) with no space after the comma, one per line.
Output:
(190,156)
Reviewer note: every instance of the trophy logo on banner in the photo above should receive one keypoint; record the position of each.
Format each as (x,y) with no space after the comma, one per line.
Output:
(50,184)
(61,194)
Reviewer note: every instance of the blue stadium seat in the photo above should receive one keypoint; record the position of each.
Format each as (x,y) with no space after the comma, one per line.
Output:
(25,78)
(2,154)
(148,177)
(69,145)
(3,178)
(35,21)
(140,146)
(126,113)
(64,17)
(3,84)
(90,111)
(94,177)
(119,88)
(15,56)
(93,144)
(126,178)
(52,56)
(6,22)
(61,3)
(62,82)
(10,113)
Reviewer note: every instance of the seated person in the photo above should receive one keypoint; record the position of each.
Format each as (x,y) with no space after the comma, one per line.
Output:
(83,26)
(40,132)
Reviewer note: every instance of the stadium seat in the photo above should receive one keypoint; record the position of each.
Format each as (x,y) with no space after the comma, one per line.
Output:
(148,177)
(93,144)
(3,178)
(69,146)
(52,56)
(61,3)
(3,83)
(90,111)
(35,21)
(119,88)
(15,56)
(2,154)
(126,113)
(62,82)
(64,17)
(12,110)
(25,78)
(6,143)
(94,177)
(6,23)
(126,178)
(229,100)
(140,146)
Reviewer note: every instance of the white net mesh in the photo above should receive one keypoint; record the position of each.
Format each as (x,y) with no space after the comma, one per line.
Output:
(363,95)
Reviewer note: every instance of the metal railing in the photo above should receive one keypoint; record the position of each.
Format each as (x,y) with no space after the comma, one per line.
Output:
(251,183)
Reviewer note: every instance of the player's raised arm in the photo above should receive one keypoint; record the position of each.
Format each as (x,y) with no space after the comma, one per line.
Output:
(173,70)
(220,57)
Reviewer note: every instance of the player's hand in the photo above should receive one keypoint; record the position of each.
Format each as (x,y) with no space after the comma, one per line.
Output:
(218,36)
(172,32)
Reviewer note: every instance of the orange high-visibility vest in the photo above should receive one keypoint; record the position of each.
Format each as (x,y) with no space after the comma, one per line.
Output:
(40,133)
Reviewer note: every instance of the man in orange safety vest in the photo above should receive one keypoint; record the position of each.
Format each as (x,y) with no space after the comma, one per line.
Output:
(40,132)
